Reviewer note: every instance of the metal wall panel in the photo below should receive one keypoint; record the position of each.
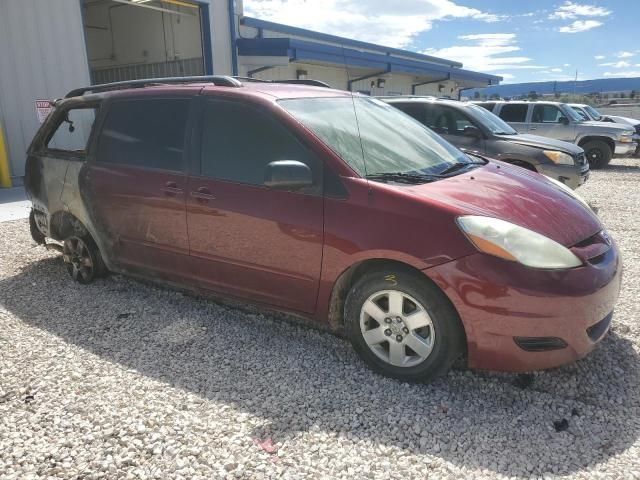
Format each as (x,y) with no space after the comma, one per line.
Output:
(42,56)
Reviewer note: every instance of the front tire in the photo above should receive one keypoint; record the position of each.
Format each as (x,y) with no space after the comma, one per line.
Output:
(403,326)
(598,153)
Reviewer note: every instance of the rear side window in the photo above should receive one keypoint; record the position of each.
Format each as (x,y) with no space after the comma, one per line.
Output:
(514,112)
(72,131)
(239,141)
(145,133)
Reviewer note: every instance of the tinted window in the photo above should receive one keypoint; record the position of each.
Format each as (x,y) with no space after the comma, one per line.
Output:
(239,141)
(513,112)
(73,130)
(581,112)
(546,114)
(488,106)
(145,133)
(446,120)
(412,109)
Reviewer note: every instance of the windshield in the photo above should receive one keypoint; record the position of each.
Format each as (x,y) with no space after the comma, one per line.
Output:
(571,113)
(381,139)
(593,112)
(495,124)
(582,114)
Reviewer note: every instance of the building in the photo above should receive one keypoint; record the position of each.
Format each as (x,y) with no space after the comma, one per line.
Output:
(48,48)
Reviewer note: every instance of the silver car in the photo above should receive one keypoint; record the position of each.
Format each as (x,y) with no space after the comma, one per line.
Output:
(600,140)
(588,113)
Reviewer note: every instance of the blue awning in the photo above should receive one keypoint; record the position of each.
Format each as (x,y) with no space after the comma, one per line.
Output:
(346,54)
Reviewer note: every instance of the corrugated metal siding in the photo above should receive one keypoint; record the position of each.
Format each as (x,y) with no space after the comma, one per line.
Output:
(42,56)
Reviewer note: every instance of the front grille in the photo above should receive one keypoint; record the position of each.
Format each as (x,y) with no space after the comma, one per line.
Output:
(540,344)
(638,129)
(596,330)
(580,159)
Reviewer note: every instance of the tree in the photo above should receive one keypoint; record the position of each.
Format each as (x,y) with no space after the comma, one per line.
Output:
(476,94)
(494,96)
(633,94)
(532,95)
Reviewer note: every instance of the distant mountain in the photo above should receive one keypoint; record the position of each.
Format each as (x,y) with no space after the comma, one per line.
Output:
(600,85)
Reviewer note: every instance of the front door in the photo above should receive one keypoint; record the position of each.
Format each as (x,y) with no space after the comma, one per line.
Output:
(456,128)
(136,185)
(246,239)
(547,121)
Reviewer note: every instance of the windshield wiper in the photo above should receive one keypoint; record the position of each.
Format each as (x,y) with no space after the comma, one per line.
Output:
(461,165)
(404,177)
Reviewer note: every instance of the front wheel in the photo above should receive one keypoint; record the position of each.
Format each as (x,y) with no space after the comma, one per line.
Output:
(598,153)
(403,326)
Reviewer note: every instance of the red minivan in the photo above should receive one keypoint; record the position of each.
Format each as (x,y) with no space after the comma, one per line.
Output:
(329,205)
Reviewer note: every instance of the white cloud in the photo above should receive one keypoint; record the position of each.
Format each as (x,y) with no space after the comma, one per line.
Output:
(628,73)
(486,52)
(377,21)
(569,10)
(625,54)
(580,26)
(620,64)
(555,70)
(566,65)
(506,76)
(599,57)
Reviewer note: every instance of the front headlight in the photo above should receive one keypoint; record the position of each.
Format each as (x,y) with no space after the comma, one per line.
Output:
(559,158)
(626,137)
(512,242)
(569,192)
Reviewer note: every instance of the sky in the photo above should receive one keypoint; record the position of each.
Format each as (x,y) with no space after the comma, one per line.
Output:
(520,40)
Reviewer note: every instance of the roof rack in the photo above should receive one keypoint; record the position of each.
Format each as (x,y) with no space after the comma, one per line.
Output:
(221,80)
(311,82)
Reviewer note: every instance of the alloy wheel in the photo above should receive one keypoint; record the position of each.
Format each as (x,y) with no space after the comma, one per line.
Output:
(397,328)
(77,257)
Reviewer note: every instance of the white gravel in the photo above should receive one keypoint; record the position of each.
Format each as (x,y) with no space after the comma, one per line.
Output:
(124,380)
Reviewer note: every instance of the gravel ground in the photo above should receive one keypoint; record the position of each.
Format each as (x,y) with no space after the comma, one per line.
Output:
(121,379)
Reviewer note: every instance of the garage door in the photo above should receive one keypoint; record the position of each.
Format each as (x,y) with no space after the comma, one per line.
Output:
(132,39)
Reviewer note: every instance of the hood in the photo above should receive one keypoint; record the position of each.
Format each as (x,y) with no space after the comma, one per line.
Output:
(542,142)
(610,125)
(627,120)
(516,195)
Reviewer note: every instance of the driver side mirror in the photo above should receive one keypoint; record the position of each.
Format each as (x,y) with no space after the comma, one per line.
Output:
(288,174)
(563,120)
(472,131)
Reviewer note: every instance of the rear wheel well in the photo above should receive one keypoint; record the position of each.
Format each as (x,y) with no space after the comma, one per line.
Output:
(63,225)
(607,140)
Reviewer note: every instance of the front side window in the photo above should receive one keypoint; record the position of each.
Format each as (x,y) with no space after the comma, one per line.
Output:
(490,121)
(593,112)
(373,137)
(546,114)
(145,133)
(239,141)
(514,112)
(72,132)
(446,120)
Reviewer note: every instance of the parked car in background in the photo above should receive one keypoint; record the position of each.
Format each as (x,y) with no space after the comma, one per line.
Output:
(330,205)
(588,113)
(600,140)
(473,128)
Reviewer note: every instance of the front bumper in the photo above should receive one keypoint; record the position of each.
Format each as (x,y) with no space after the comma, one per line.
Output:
(499,301)
(571,175)
(625,148)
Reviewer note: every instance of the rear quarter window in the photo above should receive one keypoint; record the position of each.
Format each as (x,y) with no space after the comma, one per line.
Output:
(514,112)
(72,131)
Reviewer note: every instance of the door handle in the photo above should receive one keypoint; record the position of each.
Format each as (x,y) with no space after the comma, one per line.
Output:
(203,195)
(171,189)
